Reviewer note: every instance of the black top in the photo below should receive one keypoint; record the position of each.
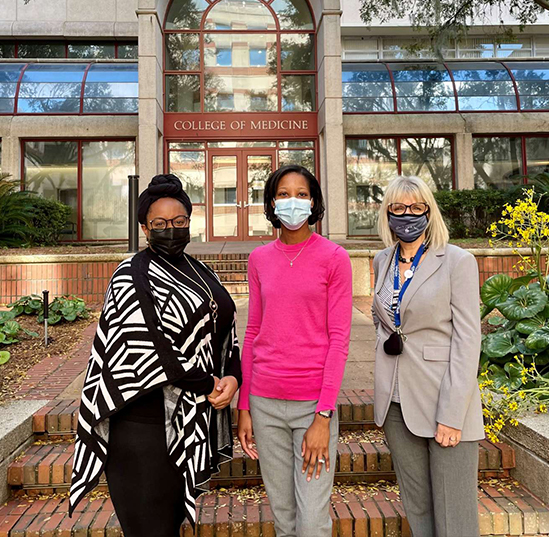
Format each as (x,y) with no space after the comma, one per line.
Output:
(150,407)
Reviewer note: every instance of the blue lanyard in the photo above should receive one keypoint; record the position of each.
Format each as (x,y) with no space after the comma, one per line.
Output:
(406,283)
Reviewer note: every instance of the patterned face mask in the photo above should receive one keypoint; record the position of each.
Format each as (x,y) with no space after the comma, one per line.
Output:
(408,227)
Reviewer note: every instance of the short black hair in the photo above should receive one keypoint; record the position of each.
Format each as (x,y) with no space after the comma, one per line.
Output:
(314,187)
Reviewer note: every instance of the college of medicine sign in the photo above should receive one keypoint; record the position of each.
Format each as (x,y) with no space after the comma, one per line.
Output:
(233,126)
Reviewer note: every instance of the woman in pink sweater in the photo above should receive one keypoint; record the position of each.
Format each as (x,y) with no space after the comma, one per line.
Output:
(294,356)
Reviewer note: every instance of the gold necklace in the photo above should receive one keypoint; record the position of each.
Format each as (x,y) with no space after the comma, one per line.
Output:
(213,304)
(292,260)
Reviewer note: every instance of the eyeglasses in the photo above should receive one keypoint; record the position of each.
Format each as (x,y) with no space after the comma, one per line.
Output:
(160,224)
(417,209)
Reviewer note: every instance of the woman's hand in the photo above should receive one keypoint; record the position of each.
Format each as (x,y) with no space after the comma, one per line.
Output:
(223,393)
(214,393)
(447,436)
(316,447)
(246,434)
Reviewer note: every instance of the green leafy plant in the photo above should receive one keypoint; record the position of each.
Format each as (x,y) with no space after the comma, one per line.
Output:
(9,334)
(468,213)
(66,308)
(515,356)
(16,213)
(49,221)
(28,305)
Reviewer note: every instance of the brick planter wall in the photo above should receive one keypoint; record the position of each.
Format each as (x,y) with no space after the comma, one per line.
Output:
(87,276)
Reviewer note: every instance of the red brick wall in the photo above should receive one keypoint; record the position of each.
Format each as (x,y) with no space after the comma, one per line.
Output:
(487,266)
(87,280)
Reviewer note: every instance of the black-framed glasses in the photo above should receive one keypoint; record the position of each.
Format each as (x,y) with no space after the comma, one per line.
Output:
(160,224)
(399,209)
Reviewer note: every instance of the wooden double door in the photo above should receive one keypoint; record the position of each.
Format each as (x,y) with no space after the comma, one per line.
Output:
(236,182)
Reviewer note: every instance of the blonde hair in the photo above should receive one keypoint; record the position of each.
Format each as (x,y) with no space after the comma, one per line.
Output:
(436,234)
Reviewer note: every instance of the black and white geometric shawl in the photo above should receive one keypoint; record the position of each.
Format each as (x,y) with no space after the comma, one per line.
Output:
(154,330)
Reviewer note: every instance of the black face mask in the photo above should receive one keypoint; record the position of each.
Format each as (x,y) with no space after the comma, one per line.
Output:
(172,241)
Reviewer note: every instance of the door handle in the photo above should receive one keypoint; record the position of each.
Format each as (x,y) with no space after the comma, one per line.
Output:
(246,205)
(238,204)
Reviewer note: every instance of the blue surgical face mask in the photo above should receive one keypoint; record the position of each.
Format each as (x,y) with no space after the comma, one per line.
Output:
(408,227)
(293,212)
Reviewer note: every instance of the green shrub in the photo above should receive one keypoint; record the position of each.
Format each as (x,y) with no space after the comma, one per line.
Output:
(16,212)
(49,220)
(68,308)
(469,213)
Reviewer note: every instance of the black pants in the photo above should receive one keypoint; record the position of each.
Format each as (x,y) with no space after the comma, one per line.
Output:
(147,494)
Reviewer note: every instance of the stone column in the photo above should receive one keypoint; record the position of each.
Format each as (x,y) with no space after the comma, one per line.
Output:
(464,161)
(330,120)
(151,119)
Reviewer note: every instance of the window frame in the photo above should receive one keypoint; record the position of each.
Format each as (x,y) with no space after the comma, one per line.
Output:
(67,43)
(398,139)
(79,176)
(506,65)
(202,31)
(81,111)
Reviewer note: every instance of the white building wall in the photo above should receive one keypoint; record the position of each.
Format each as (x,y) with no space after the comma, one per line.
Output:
(68,18)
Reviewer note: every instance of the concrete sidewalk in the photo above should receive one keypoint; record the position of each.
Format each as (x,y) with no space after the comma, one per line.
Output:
(359,373)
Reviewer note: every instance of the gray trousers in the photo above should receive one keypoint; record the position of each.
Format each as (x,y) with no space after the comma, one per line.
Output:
(438,486)
(300,508)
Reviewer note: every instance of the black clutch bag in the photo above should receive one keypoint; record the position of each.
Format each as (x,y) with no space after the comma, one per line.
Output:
(394,345)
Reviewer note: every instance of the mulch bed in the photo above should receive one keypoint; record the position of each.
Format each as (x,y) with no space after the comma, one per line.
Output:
(29,351)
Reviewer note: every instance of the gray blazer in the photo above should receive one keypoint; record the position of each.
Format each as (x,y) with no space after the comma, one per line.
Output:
(437,371)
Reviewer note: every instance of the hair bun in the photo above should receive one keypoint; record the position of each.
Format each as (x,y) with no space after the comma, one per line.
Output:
(167,185)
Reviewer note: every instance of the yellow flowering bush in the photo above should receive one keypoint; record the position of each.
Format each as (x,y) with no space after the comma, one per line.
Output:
(505,397)
(515,356)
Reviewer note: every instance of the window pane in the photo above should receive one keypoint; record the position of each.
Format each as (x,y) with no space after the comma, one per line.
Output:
(537,155)
(367,88)
(88,50)
(9,75)
(105,170)
(198,223)
(7,50)
(287,144)
(127,52)
(232,83)
(430,159)
(240,15)
(111,88)
(293,14)
(190,167)
(37,49)
(298,93)
(497,162)
(182,52)
(371,164)
(242,144)
(521,48)
(183,93)
(532,83)
(304,157)
(51,89)
(185,14)
(297,52)
(483,86)
(51,169)
(423,88)
(186,145)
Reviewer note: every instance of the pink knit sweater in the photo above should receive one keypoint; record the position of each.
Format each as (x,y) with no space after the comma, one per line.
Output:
(297,338)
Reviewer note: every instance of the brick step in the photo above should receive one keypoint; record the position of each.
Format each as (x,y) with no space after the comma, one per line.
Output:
(232,277)
(361,457)
(237,266)
(505,508)
(216,258)
(59,417)
(238,290)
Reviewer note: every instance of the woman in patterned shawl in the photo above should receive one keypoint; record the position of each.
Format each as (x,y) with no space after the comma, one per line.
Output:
(163,369)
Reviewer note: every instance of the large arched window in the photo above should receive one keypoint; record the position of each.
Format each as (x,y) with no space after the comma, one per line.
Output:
(239,56)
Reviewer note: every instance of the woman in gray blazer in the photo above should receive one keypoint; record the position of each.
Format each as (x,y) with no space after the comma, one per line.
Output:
(426,313)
